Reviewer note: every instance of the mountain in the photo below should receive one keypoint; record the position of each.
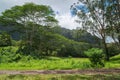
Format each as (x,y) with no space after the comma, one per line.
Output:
(77,35)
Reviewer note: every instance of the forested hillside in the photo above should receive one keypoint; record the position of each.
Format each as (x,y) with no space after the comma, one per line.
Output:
(75,34)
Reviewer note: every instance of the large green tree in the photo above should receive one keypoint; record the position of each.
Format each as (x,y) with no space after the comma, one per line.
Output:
(32,20)
(91,14)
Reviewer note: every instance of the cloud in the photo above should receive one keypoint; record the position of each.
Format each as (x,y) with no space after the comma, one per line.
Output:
(67,21)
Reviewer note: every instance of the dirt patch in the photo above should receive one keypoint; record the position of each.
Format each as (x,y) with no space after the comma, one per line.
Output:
(93,71)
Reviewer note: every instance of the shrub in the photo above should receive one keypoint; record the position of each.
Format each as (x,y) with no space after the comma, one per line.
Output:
(96,57)
(8,54)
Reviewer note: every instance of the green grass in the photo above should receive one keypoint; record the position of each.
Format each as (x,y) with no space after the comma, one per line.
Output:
(114,62)
(61,77)
(55,63)
(50,63)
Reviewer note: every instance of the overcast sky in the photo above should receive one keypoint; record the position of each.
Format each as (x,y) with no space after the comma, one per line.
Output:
(62,6)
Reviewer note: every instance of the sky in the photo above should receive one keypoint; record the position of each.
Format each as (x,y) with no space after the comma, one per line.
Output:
(61,8)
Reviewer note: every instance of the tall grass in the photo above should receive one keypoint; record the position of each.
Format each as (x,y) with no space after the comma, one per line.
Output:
(10,61)
(55,63)
(50,63)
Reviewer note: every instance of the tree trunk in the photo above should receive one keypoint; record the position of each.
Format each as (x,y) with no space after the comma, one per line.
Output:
(106,50)
(119,40)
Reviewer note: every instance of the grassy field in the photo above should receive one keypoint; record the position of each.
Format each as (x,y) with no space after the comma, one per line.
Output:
(61,77)
(50,63)
(55,63)
(114,62)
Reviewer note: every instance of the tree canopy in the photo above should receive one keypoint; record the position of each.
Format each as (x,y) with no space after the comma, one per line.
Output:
(99,17)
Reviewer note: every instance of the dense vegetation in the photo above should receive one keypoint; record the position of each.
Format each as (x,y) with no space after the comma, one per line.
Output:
(40,37)
(20,62)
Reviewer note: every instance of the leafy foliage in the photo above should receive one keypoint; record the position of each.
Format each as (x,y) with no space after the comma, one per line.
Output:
(113,20)
(113,49)
(96,57)
(8,54)
(93,19)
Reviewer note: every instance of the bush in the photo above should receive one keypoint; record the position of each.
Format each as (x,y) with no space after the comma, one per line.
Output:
(96,57)
(8,54)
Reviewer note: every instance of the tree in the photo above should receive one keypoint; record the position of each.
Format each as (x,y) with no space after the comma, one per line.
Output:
(113,19)
(91,14)
(30,19)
